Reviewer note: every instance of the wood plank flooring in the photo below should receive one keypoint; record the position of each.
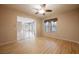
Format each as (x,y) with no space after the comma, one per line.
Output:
(40,45)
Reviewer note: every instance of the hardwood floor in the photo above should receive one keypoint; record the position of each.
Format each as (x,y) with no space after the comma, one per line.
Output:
(41,46)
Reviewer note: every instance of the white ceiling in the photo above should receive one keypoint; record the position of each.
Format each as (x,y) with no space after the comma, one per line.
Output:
(29,8)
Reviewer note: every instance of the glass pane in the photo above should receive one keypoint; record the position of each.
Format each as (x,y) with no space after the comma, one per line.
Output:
(53,25)
(26,28)
(46,27)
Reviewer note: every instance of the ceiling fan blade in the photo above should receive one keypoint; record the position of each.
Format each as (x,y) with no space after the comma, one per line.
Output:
(35,9)
(48,10)
(36,13)
(43,13)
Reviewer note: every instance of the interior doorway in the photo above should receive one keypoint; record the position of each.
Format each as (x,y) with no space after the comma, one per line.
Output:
(26,28)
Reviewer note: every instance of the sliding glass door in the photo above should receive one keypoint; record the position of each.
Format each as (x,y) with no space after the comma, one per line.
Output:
(29,31)
(26,29)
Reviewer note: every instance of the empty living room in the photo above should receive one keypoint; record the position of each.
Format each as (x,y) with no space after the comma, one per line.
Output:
(39,28)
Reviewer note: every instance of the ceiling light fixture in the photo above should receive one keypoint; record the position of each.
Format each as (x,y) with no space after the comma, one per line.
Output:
(41,11)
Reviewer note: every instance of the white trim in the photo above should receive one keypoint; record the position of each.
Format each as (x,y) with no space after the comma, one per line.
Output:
(71,41)
(65,40)
(5,43)
(1,44)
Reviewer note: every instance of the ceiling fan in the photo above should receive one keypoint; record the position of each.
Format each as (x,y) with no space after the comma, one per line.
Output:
(42,10)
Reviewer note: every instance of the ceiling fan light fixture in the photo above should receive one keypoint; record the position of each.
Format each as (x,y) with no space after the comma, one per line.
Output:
(41,11)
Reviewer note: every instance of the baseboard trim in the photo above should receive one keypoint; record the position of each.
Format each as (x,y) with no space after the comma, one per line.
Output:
(5,43)
(1,44)
(65,39)
(71,41)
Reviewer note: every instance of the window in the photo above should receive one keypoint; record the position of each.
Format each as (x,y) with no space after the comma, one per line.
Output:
(46,26)
(50,25)
(53,26)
